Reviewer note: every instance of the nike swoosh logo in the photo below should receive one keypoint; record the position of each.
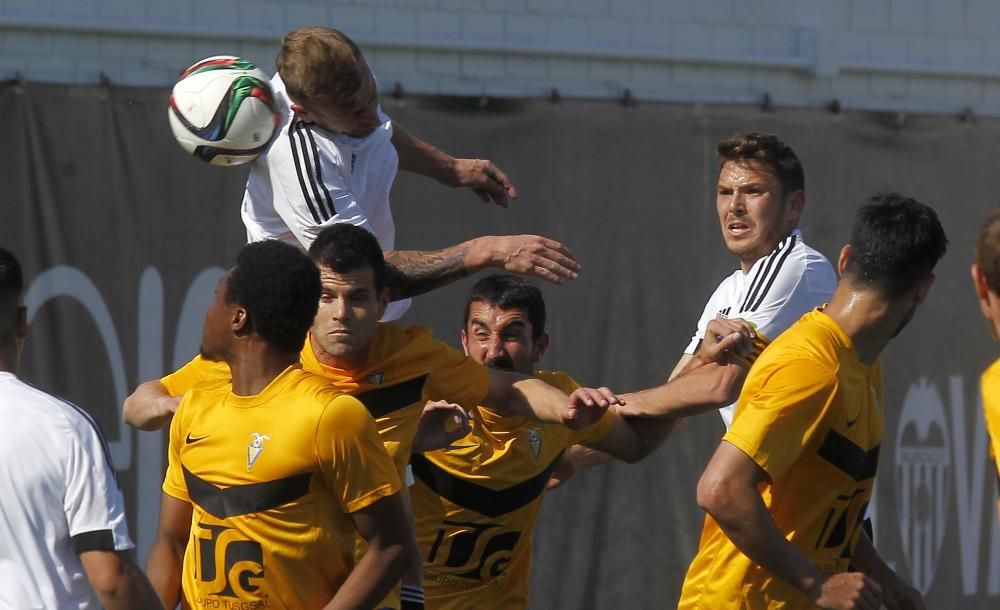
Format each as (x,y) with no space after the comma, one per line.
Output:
(191,439)
(851,422)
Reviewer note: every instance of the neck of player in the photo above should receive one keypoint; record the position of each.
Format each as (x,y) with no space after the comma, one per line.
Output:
(868,318)
(256,364)
(351,361)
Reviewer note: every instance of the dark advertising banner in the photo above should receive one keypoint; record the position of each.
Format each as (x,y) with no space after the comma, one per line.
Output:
(123,238)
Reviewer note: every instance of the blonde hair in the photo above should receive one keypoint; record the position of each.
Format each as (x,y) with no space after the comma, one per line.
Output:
(321,64)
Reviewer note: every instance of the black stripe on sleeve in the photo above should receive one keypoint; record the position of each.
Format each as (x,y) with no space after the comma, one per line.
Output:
(98,540)
(777,270)
(319,176)
(307,147)
(483,500)
(753,286)
(298,159)
(761,277)
(386,400)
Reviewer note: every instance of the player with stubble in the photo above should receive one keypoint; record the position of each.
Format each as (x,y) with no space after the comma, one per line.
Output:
(272,473)
(787,488)
(393,370)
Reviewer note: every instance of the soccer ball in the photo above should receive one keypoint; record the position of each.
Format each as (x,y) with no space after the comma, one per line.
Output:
(222,110)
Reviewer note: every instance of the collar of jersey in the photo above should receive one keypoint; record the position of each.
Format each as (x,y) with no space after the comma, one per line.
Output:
(796,232)
(843,338)
(270,392)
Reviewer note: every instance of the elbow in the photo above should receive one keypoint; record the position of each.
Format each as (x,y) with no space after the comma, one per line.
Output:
(112,584)
(129,412)
(711,494)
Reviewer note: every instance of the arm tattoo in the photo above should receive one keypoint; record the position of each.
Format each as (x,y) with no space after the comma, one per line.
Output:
(413,272)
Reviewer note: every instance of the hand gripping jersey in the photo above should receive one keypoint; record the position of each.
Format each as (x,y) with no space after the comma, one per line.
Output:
(810,415)
(778,289)
(476,505)
(991,410)
(405,368)
(272,479)
(59,497)
(310,178)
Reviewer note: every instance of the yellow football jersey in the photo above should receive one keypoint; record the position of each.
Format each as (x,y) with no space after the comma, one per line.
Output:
(406,367)
(810,414)
(476,504)
(272,479)
(991,410)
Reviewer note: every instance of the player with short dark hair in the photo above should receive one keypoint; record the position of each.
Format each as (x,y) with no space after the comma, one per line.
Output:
(394,371)
(334,158)
(986,279)
(63,535)
(476,503)
(787,489)
(272,472)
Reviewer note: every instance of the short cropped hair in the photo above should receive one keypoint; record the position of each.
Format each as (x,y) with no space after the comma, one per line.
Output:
(321,64)
(279,287)
(895,243)
(768,150)
(988,251)
(506,291)
(343,248)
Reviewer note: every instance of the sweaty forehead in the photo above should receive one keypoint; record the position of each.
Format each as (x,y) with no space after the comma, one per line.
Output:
(745,172)
(496,318)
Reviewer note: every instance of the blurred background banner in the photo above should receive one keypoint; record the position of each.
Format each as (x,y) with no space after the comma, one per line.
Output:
(123,238)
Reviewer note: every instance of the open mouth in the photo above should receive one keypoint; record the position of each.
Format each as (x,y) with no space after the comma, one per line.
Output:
(737,229)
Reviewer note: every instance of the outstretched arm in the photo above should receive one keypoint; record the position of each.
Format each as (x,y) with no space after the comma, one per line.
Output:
(414,272)
(150,407)
(729,491)
(481,175)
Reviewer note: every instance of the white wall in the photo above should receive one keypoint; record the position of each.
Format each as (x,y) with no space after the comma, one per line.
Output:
(919,55)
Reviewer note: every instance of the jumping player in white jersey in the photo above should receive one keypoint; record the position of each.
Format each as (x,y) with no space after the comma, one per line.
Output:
(334,159)
(63,537)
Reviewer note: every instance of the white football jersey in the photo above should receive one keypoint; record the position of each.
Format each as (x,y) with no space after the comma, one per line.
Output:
(777,291)
(60,498)
(310,178)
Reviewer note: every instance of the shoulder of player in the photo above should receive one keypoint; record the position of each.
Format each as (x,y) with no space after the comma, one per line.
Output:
(54,416)
(558,379)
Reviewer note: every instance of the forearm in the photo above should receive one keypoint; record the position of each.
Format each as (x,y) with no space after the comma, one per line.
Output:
(422,158)
(133,590)
(414,272)
(705,388)
(148,407)
(866,559)
(748,524)
(372,578)
(527,397)
(163,568)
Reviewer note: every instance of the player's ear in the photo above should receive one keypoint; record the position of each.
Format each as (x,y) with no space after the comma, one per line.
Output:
(383,302)
(923,287)
(301,112)
(796,204)
(541,345)
(845,254)
(465,341)
(979,281)
(240,322)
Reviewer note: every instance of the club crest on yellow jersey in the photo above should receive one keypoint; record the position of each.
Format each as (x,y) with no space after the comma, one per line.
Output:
(375,378)
(535,442)
(255,448)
